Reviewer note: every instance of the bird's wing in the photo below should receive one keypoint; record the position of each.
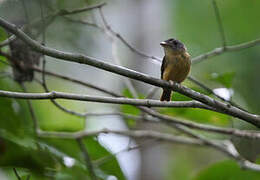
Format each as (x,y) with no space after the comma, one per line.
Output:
(163,66)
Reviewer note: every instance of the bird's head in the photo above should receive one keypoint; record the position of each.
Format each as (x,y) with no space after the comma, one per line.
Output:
(173,45)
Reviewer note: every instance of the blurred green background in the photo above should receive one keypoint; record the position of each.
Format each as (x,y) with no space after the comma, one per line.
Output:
(143,23)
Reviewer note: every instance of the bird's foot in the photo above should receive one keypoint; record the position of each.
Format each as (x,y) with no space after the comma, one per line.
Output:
(172,82)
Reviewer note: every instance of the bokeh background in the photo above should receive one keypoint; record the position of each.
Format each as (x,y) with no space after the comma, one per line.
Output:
(144,24)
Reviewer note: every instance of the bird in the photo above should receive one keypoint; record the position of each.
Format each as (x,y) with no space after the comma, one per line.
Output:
(175,66)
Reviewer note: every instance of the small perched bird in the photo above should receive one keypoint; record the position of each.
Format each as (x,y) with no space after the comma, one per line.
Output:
(175,65)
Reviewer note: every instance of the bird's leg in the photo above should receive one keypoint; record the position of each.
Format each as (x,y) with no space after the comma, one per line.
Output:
(172,82)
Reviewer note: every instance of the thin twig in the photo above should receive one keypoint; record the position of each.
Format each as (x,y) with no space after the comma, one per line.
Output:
(221,50)
(80,10)
(33,116)
(16,174)
(224,131)
(110,35)
(67,78)
(71,79)
(59,106)
(203,86)
(7,41)
(87,159)
(224,146)
(100,99)
(220,25)
(62,12)
(43,43)
(44,84)
(131,133)
(83,22)
(104,159)
(117,35)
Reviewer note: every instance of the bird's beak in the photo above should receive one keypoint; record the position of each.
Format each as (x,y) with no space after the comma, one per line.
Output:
(163,43)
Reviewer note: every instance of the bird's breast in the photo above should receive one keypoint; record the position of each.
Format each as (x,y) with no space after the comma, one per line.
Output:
(177,68)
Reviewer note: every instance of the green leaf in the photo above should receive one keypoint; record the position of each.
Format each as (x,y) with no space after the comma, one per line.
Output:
(14,115)
(227,170)
(225,79)
(179,97)
(3,34)
(198,115)
(53,119)
(96,153)
(195,114)
(33,157)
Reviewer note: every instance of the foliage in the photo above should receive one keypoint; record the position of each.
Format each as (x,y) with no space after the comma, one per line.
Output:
(226,170)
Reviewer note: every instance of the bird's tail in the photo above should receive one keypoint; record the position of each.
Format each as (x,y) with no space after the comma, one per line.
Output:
(166,95)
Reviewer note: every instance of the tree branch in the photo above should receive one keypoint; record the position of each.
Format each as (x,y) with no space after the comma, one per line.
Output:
(87,159)
(131,133)
(62,12)
(16,174)
(80,10)
(223,146)
(224,131)
(120,100)
(32,112)
(203,86)
(164,118)
(220,25)
(221,50)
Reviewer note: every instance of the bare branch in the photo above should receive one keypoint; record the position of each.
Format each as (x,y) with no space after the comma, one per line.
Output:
(43,83)
(80,10)
(172,121)
(220,25)
(83,23)
(62,12)
(117,35)
(16,174)
(134,134)
(222,50)
(120,100)
(203,86)
(7,41)
(224,146)
(33,116)
(104,159)
(116,60)
(164,118)
(87,159)
(71,79)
